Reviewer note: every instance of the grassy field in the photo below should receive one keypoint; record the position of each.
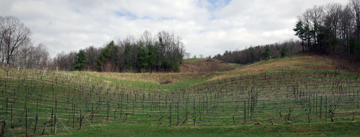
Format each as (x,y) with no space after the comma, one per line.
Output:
(130,130)
(302,95)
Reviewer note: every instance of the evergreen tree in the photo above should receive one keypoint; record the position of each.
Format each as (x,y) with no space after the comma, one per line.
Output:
(284,51)
(266,53)
(80,61)
(143,57)
(252,54)
(104,55)
(151,56)
(146,54)
(300,32)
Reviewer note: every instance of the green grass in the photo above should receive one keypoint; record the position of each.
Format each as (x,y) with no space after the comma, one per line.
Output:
(123,108)
(132,130)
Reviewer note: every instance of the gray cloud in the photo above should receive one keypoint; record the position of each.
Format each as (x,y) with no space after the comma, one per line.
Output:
(207,27)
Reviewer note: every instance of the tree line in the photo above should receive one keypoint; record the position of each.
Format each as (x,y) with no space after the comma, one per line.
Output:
(261,52)
(16,47)
(160,52)
(331,29)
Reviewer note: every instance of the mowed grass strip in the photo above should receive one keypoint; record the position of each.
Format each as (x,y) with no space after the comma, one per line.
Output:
(134,130)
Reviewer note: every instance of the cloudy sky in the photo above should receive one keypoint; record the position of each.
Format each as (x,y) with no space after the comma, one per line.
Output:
(207,27)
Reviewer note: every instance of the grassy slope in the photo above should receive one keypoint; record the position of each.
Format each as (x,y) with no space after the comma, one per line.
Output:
(305,63)
(118,129)
(193,60)
(300,62)
(150,80)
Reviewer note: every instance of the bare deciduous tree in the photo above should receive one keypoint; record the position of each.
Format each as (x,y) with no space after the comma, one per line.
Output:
(332,20)
(29,56)
(355,6)
(91,54)
(146,37)
(253,54)
(14,34)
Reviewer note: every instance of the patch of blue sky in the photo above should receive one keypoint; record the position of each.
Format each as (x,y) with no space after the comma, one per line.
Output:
(145,17)
(127,15)
(212,17)
(120,14)
(219,3)
(215,5)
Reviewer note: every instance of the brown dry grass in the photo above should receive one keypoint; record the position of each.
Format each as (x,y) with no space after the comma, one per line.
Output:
(189,70)
(300,62)
(150,77)
(206,65)
(203,68)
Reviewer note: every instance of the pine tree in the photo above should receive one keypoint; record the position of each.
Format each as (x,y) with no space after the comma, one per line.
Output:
(266,53)
(143,57)
(300,32)
(103,57)
(80,61)
(151,56)
(284,51)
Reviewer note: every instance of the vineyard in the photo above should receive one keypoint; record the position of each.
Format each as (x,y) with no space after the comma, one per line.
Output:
(43,102)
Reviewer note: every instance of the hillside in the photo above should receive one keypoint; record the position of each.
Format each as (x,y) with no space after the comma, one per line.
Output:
(288,93)
(197,71)
(299,62)
(191,69)
(204,66)
(213,69)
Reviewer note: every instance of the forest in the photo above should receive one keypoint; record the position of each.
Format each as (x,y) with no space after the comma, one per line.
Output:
(161,52)
(332,29)
(261,52)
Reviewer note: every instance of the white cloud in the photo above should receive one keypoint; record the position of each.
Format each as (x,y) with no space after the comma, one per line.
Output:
(207,27)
